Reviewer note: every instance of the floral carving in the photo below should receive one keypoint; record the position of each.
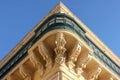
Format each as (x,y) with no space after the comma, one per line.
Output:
(37,64)
(82,64)
(24,73)
(60,48)
(45,54)
(72,58)
(94,75)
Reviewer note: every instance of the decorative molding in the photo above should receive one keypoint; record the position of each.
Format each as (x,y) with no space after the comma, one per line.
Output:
(84,60)
(24,73)
(46,55)
(95,73)
(73,26)
(101,55)
(59,54)
(37,64)
(72,58)
(60,48)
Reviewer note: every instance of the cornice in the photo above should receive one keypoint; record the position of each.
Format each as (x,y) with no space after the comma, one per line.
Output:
(61,8)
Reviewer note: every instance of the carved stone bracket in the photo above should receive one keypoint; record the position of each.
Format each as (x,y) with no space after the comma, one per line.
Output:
(24,73)
(72,58)
(37,64)
(94,75)
(60,48)
(82,65)
(46,56)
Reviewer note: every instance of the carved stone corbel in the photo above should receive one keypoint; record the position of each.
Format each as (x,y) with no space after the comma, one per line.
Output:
(94,75)
(46,55)
(24,74)
(37,64)
(32,59)
(72,58)
(82,64)
(60,48)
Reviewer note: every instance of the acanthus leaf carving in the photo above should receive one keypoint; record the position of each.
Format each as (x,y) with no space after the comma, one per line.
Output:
(72,58)
(24,73)
(60,48)
(82,64)
(94,75)
(37,64)
(46,55)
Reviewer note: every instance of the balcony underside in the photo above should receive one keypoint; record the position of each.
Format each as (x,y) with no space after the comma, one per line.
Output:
(60,46)
(59,54)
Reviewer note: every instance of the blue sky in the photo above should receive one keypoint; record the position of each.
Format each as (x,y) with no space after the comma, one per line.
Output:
(18,17)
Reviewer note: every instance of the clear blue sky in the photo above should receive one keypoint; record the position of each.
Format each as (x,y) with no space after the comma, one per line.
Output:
(17,17)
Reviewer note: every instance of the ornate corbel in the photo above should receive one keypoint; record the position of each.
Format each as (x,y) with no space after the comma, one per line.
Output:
(94,75)
(60,48)
(32,58)
(72,58)
(23,73)
(37,64)
(46,56)
(82,64)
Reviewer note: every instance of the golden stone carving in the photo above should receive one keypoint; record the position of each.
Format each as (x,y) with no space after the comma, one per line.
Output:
(46,55)
(94,75)
(37,64)
(59,59)
(24,73)
(72,58)
(82,64)
(60,48)
(65,47)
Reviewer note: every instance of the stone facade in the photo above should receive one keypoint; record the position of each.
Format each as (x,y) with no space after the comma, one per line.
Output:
(60,47)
